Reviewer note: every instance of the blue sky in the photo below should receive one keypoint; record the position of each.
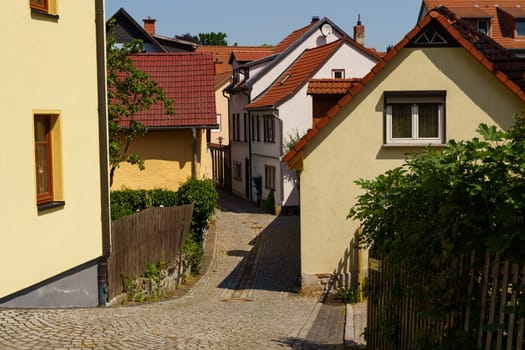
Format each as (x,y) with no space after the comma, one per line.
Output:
(269,21)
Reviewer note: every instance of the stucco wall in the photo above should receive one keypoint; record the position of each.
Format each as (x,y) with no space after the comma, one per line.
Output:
(350,146)
(167,157)
(50,65)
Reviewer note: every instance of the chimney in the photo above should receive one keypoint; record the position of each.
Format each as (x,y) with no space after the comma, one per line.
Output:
(149,25)
(315,19)
(359,32)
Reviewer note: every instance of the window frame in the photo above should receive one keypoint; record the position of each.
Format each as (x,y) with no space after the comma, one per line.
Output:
(237,168)
(522,22)
(246,128)
(338,71)
(486,22)
(415,99)
(269,177)
(236,127)
(44,197)
(44,8)
(269,129)
(219,118)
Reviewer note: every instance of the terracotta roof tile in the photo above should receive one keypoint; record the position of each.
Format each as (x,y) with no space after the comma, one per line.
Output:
(221,54)
(293,37)
(501,12)
(330,86)
(506,64)
(296,75)
(244,56)
(187,79)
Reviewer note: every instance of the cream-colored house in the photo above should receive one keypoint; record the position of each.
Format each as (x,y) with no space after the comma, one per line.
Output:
(439,83)
(55,222)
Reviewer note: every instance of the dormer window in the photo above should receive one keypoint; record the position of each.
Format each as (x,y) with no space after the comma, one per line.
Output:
(483,26)
(520,27)
(338,73)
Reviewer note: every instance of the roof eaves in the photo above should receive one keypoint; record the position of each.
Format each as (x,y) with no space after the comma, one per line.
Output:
(296,43)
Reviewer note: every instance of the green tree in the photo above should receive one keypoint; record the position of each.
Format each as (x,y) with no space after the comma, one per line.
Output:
(130,91)
(212,38)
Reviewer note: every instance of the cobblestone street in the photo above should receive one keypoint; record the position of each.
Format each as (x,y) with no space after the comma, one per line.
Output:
(245,300)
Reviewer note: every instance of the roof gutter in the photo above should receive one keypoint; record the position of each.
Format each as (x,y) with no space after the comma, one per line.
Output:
(100,27)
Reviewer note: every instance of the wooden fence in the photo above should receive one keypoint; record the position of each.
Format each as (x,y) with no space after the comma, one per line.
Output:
(149,236)
(495,293)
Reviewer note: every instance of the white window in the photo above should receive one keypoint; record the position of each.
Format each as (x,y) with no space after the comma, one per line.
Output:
(483,26)
(269,177)
(414,117)
(338,73)
(218,129)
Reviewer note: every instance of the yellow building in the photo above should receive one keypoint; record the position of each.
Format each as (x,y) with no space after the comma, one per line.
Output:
(175,147)
(439,83)
(54,154)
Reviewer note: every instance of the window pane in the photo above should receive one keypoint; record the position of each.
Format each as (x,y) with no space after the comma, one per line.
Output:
(40,130)
(401,121)
(42,169)
(520,28)
(428,120)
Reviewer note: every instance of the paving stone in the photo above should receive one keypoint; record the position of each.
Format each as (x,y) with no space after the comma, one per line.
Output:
(246,300)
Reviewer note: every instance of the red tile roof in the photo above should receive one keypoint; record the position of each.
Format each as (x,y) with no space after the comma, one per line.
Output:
(502,13)
(187,79)
(293,37)
(243,56)
(297,75)
(221,54)
(331,86)
(489,53)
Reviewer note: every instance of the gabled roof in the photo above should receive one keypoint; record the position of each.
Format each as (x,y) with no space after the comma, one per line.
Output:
(501,13)
(292,41)
(187,79)
(331,86)
(296,76)
(127,29)
(222,54)
(508,69)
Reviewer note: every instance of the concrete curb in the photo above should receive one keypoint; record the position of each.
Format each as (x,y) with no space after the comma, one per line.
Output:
(354,327)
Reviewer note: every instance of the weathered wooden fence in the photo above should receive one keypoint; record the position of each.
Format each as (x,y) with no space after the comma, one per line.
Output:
(495,294)
(149,236)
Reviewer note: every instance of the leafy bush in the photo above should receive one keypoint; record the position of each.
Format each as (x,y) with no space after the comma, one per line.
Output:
(126,202)
(193,254)
(204,196)
(348,295)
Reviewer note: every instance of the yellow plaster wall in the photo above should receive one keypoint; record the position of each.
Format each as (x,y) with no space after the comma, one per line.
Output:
(48,65)
(350,146)
(167,157)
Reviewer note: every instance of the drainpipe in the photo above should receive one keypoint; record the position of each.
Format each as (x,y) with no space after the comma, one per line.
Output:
(194,160)
(100,25)
(281,150)
(229,181)
(249,179)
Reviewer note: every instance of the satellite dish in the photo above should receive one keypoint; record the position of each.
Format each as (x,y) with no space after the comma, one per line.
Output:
(326,29)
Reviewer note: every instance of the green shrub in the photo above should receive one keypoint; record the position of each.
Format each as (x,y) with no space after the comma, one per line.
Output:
(348,295)
(125,202)
(204,196)
(193,254)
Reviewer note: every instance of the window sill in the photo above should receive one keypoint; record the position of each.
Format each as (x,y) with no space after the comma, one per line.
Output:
(44,14)
(414,145)
(50,205)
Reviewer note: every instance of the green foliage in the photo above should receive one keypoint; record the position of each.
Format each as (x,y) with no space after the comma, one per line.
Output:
(130,91)
(291,140)
(269,203)
(348,295)
(438,206)
(126,202)
(212,38)
(145,288)
(193,254)
(257,183)
(204,196)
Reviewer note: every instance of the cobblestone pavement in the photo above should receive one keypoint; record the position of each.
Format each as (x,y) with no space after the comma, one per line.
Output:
(245,300)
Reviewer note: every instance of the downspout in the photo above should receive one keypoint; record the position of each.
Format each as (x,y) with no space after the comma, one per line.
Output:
(194,149)
(229,181)
(100,25)
(281,150)
(249,179)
